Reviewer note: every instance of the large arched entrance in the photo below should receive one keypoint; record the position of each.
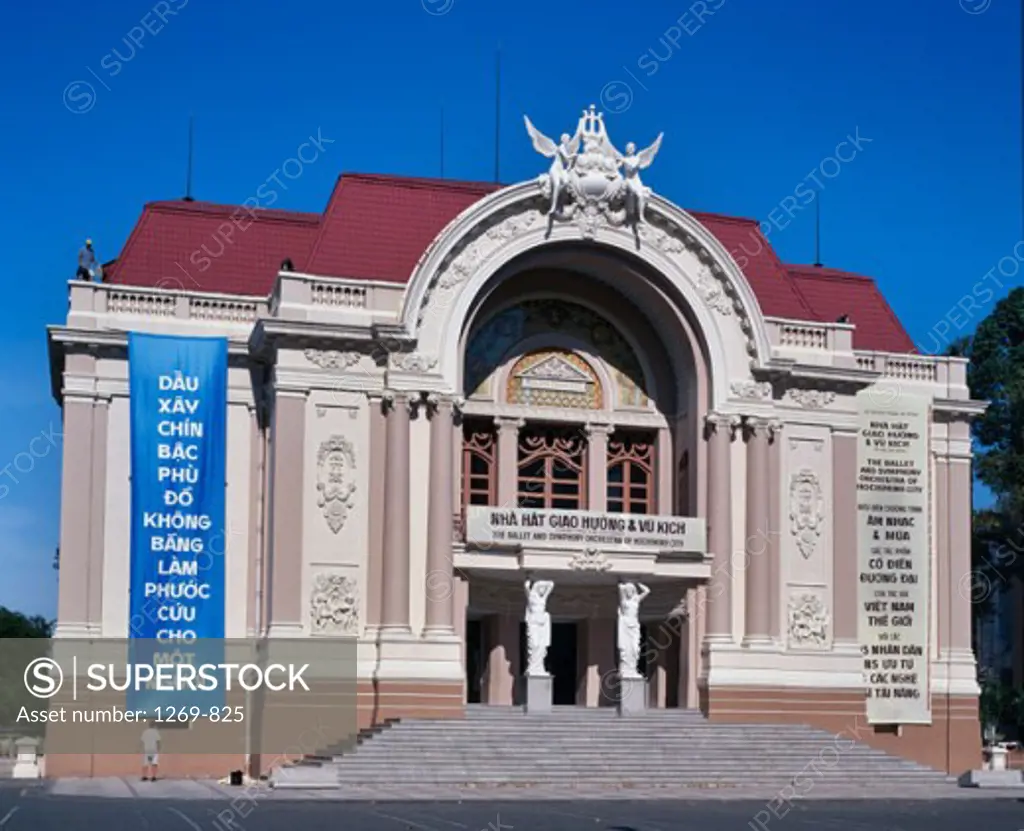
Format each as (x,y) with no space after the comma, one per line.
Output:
(584,393)
(577,364)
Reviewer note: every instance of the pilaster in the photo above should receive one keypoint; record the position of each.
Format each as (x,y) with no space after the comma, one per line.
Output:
(395,611)
(720,429)
(597,466)
(288,442)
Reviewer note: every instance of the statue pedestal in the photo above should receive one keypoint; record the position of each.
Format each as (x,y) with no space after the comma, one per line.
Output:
(27,764)
(632,695)
(538,693)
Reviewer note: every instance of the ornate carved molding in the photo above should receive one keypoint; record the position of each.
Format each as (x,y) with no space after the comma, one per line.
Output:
(811,399)
(665,242)
(806,510)
(754,425)
(711,282)
(470,256)
(589,560)
(752,390)
(334,605)
(808,621)
(722,421)
(395,398)
(331,359)
(713,288)
(413,362)
(336,463)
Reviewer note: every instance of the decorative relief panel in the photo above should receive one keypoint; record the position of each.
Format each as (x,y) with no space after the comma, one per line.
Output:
(806,510)
(413,362)
(811,399)
(330,359)
(336,465)
(805,507)
(808,620)
(554,378)
(334,605)
(589,560)
(752,390)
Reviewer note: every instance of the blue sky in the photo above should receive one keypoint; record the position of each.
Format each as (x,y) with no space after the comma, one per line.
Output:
(751,98)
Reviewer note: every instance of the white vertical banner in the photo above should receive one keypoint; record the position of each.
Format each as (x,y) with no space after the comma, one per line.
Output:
(894,550)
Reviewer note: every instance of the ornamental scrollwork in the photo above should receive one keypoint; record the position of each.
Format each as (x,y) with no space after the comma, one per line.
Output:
(811,399)
(331,359)
(336,487)
(752,390)
(590,559)
(806,510)
(413,362)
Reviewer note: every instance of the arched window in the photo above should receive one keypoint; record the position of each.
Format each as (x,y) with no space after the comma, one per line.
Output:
(631,473)
(479,464)
(552,468)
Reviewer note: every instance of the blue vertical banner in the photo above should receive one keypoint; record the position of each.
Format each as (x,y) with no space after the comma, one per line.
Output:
(178,403)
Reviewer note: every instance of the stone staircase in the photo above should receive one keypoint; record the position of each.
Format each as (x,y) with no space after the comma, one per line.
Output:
(576,746)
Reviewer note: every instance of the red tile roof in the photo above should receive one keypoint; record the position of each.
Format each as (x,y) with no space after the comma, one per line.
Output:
(832,293)
(377,227)
(760,264)
(216,248)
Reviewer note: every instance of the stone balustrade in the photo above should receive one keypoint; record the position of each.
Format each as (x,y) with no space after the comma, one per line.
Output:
(101,303)
(343,301)
(335,300)
(831,344)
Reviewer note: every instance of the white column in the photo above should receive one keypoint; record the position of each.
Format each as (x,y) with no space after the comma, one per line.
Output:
(508,459)
(597,466)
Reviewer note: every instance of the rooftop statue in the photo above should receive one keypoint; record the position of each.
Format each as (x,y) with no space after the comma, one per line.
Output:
(597,182)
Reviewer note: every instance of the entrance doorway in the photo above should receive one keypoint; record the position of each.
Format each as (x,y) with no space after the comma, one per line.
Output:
(475,660)
(562,661)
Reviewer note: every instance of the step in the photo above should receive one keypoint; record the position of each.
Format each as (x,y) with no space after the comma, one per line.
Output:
(573,747)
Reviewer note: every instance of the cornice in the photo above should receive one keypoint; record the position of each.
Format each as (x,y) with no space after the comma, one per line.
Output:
(99,338)
(781,369)
(269,334)
(953,409)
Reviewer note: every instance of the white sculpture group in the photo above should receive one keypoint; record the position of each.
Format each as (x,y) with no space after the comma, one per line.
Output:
(538,626)
(599,181)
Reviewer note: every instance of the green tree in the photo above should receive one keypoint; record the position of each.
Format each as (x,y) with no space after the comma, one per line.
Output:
(996,374)
(17,625)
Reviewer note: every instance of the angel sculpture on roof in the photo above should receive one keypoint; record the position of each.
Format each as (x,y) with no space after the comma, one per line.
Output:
(632,163)
(563,157)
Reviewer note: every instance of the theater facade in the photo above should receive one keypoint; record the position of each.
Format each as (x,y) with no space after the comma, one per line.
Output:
(441,392)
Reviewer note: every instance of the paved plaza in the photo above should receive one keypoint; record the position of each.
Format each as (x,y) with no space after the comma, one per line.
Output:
(116,804)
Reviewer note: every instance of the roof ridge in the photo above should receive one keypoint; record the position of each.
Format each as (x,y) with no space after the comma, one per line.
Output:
(424,182)
(739,220)
(826,273)
(220,208)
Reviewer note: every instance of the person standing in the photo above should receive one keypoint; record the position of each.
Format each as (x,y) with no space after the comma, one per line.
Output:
(150,752)
(86,262)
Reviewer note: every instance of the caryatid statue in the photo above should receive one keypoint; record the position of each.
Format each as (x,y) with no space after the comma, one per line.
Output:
(538,625)
(631,595)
